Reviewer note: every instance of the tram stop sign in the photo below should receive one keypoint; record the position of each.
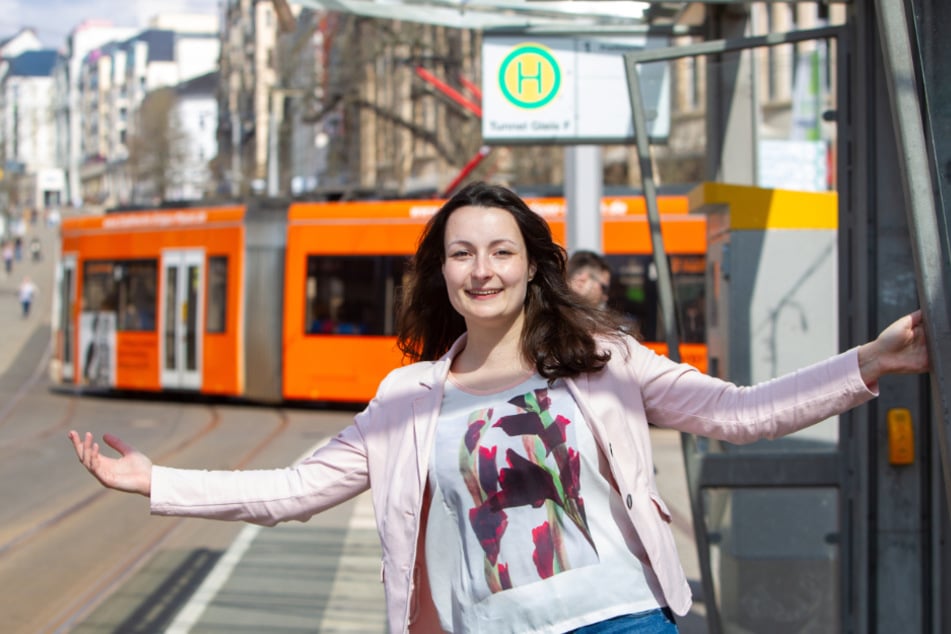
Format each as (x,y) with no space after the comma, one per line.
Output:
(569,90)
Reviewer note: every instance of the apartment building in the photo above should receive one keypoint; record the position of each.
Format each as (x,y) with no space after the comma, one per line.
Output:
(30,178)
(195,111)
(67,99)
(248,67)
(115,80)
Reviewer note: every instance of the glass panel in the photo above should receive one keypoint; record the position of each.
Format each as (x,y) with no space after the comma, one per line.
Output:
(634,293)
(216,312)
(100,292)
(775,559)
(136,282)
(932,22)
(171,316)
(352,295)
(765,313)
(190,310)
(125,287)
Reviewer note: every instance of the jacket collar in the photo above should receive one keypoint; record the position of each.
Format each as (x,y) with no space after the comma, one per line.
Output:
(440,368)
(426,407)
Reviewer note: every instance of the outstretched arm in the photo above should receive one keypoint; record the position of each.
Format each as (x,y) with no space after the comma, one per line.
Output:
(900,349)
(131,472)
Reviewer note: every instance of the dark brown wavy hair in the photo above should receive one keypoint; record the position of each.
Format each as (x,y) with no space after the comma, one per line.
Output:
(560,330)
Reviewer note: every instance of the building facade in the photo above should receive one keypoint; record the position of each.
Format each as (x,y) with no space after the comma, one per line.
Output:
(115,80)
(31,178)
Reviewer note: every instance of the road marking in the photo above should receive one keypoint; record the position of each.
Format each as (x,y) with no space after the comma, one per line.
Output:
(206,593)
(211,586)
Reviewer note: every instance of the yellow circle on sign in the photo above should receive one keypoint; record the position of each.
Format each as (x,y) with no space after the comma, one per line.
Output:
(529,76)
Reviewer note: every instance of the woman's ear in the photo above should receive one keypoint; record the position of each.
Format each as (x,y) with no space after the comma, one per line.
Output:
(531,272)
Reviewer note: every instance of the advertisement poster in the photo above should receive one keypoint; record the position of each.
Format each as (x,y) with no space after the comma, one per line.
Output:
(97,345)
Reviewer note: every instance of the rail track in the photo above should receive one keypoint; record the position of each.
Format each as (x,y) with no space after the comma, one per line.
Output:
(66,544)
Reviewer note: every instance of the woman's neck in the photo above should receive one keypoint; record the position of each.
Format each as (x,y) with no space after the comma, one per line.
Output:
(491,358)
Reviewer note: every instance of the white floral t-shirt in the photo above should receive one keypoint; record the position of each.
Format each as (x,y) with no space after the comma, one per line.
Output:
(527,532)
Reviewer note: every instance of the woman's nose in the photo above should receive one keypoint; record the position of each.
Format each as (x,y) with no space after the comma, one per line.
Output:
(481,266)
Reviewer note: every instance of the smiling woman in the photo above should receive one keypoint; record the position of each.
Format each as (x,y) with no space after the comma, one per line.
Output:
(486,269)
(515,451)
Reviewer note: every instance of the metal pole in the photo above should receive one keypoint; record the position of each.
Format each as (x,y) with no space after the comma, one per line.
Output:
(672,336)
(584,185)
(665,284)
(235,153)
(920,191)
(272,142)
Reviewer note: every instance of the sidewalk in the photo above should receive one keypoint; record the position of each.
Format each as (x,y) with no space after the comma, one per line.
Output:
(26,340)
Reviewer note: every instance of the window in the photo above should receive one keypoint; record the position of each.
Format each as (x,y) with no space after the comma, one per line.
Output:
(634,293)
(352,295)
(216,316)
(124,287)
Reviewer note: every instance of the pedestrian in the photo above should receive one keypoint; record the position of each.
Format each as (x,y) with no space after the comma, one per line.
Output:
(8,257)
(35,249)
(589,275)
(26,293)
(510,464)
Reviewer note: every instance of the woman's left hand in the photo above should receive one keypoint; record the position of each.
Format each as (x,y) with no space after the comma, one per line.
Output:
(901,348)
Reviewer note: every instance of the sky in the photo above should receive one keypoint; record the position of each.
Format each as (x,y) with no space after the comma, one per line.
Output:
(53,20)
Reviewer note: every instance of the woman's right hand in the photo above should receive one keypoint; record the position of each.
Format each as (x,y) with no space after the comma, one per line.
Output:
(131,472)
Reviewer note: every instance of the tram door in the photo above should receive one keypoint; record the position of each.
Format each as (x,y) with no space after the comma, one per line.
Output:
(183,289)
(65,311)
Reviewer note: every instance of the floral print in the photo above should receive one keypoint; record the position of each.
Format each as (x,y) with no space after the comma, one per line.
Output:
(544,473)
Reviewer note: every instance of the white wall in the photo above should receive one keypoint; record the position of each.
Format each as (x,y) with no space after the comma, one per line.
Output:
(34,133)
(198,117)
(196,56)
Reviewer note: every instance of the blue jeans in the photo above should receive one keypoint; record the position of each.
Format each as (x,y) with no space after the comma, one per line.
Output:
(659,621)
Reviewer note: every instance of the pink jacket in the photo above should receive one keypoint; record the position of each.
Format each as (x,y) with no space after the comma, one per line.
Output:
(387,449)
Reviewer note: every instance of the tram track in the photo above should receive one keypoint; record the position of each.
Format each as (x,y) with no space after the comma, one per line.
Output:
(67,545)
(6,411)
(59,526)
(108,582)
(51,522)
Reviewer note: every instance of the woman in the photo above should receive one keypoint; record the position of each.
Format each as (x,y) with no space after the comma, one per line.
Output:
(514,454)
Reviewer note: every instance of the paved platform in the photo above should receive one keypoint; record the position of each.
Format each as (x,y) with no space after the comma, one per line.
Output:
(22,335)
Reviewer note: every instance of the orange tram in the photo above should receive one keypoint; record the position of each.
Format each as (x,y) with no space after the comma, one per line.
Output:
(274,302)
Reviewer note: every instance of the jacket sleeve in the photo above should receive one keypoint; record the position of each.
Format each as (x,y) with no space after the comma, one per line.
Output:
(334,473)
(681,397)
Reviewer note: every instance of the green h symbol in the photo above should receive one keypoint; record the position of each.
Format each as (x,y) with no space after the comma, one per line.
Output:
(523,77)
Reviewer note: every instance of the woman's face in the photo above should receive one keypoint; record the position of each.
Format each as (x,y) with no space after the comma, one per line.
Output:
(487,268)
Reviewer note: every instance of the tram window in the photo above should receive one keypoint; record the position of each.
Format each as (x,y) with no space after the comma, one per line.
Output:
(689,290)
(216,315)
(99,287)
(634,293)
(136,283)
(124,287)
(352,295)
